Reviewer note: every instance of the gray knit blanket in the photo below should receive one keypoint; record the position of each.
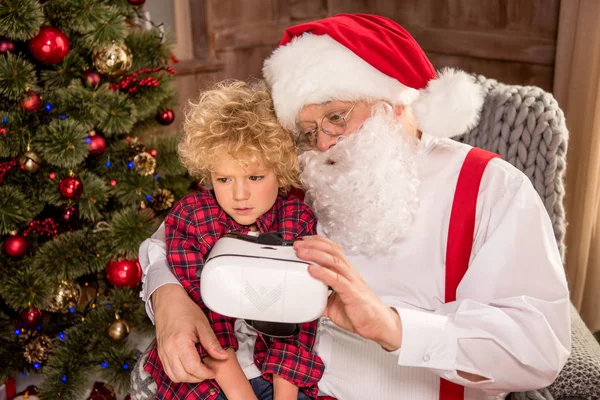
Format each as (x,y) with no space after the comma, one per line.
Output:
(526,127)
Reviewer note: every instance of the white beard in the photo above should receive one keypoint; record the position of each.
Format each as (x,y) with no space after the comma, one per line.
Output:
(363,190)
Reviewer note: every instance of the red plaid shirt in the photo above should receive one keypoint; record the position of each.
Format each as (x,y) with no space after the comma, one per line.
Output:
(192,227)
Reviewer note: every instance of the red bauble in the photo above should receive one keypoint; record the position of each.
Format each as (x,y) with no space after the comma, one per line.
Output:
(31,102)
(69,214)
(16,245)
(70,187)
(124,273)
(6,46)
(165,117)
(136,3)
(49,46)
(31,316)
(97,145)
(91,79)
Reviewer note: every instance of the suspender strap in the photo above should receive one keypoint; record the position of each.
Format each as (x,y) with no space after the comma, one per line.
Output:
(460,238)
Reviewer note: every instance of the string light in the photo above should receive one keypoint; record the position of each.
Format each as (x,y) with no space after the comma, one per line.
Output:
(104,364)
(36,365)
(63,116)
(130,164)
(17,332)
(61,335)
(125,366)
(48,107)
(4,120)
(148,197)
(64,378)
(72,310)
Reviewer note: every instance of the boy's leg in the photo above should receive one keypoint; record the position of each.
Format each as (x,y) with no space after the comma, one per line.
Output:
(263,389)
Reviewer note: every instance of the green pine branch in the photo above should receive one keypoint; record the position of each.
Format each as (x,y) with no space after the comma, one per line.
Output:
(16,208)
(62,143)
(20,19)
(128,228)
(25,287)
(71,255)
(17,75)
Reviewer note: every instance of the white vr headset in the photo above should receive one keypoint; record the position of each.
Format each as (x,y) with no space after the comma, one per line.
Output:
(260,279)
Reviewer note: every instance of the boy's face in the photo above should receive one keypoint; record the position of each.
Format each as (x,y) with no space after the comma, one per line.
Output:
(244,193)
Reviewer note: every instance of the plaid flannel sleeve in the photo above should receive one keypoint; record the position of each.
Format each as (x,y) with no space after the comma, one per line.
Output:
(293,358)
(187,230)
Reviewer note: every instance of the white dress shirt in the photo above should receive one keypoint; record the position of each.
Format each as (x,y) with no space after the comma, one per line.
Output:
(510,322)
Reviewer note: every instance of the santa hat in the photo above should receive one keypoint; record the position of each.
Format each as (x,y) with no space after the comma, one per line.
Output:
(352,57)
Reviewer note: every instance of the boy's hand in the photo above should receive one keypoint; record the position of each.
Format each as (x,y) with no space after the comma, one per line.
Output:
(230,377)
(180,324)
(284,390)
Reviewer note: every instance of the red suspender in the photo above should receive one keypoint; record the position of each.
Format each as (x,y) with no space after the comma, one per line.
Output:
(460,238)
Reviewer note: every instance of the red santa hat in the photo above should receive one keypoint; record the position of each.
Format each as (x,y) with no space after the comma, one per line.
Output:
(351,57)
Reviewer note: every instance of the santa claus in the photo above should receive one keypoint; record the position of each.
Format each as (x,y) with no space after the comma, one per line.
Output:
(447,280)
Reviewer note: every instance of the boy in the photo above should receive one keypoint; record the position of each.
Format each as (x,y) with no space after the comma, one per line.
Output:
(233,142)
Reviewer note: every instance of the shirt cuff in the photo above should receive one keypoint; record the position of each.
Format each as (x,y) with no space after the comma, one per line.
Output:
(428,341)
(157,275)
(293,363)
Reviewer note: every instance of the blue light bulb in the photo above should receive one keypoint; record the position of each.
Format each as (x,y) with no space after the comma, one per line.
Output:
(130,164)
(48,107)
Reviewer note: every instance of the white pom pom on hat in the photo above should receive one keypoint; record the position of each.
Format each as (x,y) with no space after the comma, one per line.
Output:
(351,57)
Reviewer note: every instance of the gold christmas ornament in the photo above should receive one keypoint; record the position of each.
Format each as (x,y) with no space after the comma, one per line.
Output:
(144,164)
(113,59)
(162,200)
(30,161)
(66,295)
(135,146)
(38,350)
(118,330)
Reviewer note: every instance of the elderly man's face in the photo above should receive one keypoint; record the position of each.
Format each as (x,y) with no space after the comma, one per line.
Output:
(311,117)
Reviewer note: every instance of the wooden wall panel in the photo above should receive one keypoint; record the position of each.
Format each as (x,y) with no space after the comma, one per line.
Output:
(512,41)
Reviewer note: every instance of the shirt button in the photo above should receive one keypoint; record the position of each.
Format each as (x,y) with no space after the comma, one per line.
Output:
(212,391)
(426,358)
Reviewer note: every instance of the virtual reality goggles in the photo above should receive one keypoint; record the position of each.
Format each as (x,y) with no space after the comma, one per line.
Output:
(260,279)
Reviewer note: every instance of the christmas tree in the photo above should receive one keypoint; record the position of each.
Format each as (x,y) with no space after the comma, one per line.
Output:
(81,84)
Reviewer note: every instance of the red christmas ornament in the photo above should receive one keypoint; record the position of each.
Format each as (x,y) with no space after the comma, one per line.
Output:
(97,145)
(165,117)
(69,214)
(70,187)
(31,102)
(15,246)
(124,273)
(6,46)
(136,3)
(49,46)
(91,79)
(31,316)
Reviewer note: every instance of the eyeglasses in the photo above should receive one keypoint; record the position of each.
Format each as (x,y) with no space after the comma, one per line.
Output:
(333,124)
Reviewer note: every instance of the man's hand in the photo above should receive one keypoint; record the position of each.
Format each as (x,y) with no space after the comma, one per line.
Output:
(180,324)
(353,305)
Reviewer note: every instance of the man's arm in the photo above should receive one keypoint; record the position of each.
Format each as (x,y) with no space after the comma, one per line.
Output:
(510,324)
(180,323)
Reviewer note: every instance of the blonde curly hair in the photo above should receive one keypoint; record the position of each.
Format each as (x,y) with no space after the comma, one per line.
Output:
(237,117)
